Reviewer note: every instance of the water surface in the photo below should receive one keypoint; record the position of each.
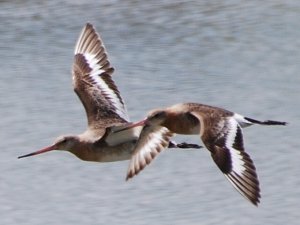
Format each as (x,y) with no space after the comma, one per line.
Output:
(240,55)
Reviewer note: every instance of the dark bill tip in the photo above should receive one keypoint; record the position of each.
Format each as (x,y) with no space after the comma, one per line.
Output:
(47,149)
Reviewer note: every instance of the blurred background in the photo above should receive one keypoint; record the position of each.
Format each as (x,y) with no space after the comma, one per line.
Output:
(239,55)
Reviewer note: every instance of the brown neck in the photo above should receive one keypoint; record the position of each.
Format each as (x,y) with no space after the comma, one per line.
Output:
(182,123)
(84,151)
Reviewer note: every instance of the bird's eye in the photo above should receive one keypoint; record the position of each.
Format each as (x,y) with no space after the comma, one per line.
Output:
(63,140)
(156,115)
(159,114)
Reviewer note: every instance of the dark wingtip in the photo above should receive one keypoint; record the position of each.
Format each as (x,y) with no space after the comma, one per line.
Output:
(89,24)
(256,201)
(129,175)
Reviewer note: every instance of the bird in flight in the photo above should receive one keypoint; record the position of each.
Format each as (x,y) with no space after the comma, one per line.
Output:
(220,131)
(104,106)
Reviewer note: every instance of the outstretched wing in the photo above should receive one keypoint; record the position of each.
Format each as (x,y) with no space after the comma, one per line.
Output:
(224,139)
(93,83)
(152,140)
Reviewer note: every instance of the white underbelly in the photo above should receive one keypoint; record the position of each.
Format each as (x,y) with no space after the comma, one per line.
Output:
(117,153)
(124,136)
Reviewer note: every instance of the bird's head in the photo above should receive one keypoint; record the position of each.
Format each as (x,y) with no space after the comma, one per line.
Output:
(156,118)
(61,143)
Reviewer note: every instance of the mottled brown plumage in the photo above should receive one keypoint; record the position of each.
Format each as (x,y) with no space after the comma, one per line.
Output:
(220,131)
(104,106)
(105,109)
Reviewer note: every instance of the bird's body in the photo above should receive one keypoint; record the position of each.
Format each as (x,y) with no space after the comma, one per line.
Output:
(104,106)
(220,131)
(188,124)
(111,137)
(98,150)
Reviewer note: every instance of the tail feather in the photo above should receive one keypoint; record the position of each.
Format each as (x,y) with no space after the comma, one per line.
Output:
(266,122)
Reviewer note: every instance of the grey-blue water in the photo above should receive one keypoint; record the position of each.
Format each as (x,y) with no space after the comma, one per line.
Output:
(240,55)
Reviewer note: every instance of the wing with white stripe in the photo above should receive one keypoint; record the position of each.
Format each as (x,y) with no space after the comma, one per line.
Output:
(152,140)
(225,142)
(93,83)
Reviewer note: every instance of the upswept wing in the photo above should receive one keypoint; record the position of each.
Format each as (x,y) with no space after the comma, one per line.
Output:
(152,140)
(224,139)
(93,83)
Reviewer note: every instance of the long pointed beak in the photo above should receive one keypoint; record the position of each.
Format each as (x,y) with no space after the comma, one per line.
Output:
(132,125)
(47,149)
